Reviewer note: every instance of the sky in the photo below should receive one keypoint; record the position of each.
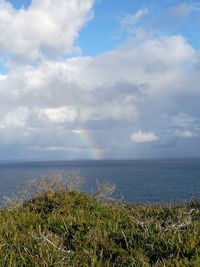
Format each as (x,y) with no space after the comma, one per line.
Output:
(104,79)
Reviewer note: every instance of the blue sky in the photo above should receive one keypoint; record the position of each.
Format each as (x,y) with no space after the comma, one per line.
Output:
(99,79)
(99,34)
(20,3)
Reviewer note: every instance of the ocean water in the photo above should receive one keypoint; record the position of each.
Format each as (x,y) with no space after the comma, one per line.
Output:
(136,181)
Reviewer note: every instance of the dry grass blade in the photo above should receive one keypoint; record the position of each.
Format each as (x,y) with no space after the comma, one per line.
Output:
(42,185)
(104,191)
(74,181)
(58,248)
(53,182)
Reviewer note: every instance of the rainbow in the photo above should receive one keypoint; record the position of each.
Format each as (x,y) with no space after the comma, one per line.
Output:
(87,138)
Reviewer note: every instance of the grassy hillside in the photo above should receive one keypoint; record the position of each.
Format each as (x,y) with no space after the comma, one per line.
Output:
(63,227)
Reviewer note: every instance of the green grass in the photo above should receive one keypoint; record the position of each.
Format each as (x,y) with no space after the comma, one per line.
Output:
(63,227)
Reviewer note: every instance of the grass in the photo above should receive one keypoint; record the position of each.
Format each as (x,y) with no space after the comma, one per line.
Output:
(61,226)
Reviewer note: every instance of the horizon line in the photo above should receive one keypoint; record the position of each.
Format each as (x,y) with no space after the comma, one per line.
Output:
(106,159)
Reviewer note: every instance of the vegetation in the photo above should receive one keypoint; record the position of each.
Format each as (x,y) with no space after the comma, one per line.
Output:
(61,226)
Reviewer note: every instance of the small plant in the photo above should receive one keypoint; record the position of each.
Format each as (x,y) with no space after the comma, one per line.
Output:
(74,181)
(104,191)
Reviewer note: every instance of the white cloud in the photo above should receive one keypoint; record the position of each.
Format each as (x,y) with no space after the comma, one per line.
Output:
(184,133)
(16,118)
(144,137)
(129,20)
(144,84)
(118,85)
(76,131)
(59,115)
(47,27)
(139,61)
(3,77)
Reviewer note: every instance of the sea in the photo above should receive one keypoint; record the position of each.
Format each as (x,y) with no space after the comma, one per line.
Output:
(136,181)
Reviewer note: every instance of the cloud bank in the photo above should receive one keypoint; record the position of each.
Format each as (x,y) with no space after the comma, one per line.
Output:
(144,91)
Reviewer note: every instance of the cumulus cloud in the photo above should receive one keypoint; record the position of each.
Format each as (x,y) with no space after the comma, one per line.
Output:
(45,28)
(114,85)
(142,84)
(144,137)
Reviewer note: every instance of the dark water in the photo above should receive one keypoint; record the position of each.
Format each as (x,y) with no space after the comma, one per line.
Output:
(136,180)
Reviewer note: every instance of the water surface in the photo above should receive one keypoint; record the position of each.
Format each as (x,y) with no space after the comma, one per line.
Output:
(136,181)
